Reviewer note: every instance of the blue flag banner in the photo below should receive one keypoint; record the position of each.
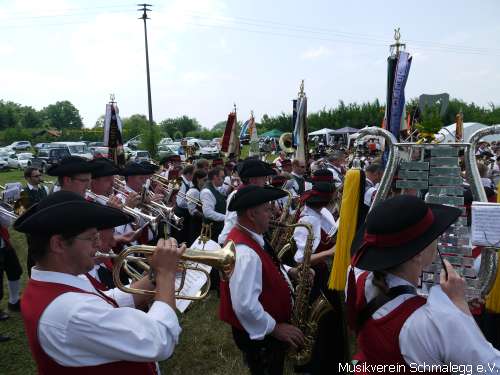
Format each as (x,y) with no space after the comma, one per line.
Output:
(398,93)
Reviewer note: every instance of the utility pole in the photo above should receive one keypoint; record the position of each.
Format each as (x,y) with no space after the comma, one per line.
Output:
(144,17)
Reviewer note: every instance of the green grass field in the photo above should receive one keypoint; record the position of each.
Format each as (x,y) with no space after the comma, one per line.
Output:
(206,346)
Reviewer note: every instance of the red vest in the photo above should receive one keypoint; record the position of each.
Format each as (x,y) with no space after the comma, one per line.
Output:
(275,296)
(378,339)
(36,297)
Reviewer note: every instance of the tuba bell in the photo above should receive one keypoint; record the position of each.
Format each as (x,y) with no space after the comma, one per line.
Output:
(286,143)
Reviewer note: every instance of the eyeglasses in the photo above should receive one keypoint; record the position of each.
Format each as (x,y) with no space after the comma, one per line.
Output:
(96,239)
(36,176)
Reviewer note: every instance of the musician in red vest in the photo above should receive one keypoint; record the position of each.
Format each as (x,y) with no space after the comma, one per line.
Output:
(396,326)
(257,299)
(75,328)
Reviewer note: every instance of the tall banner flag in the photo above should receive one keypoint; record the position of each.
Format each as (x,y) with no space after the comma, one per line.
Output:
(230,141)
(113,133)
(398,69)
(300,127)
(254,139)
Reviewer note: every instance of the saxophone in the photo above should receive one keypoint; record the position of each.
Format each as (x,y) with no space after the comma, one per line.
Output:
(306,316)
(278,235)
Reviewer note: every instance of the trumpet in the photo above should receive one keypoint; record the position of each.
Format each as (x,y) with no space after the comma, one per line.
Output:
(222,259)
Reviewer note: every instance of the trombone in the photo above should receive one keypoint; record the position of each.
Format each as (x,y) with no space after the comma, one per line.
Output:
(170,187)
(222,259)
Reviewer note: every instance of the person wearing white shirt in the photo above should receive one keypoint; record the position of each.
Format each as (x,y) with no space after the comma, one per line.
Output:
(194,204)
(373,174)
(181,204)
(71,326)
(394,325)
(35,191)
(214,202)
(251,172)
(335,163)
(256,301)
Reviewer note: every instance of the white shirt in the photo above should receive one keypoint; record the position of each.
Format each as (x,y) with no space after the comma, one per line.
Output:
(194,194)
(208,206)
(369,195)
(181,201)
(307,216)
(245,286)
(79,329)
(293,186)
(438,332)
(338,178)
(229,220)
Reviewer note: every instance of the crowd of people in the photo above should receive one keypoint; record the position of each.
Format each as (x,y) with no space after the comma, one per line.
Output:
(77,320)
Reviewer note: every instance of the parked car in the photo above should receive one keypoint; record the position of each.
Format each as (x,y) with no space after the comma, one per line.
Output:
(203,149)
(39,146)
(140,156)
(3,164)
(96,144)
(20,145)
(133,143)
(48,157)
(76,149)
(22,160)
(99,152)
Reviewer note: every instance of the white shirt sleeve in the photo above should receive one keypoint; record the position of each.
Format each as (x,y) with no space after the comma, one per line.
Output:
(208,201)
(300,236)
(245,286)
(84,330)
(192,207)
(439,333)
(229,221)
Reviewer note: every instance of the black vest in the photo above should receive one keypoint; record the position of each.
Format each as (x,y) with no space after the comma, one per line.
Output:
(35,196)
(301,182)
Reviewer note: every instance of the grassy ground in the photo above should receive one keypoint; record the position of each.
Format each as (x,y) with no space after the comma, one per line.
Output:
(205,347)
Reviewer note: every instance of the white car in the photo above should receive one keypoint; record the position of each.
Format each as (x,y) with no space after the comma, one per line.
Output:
(140,156)
(3,164)
(20,145)
(23,160)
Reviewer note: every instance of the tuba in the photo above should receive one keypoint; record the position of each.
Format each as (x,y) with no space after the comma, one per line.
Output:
(286,143)
(435,168)
(306,316)
(222,259)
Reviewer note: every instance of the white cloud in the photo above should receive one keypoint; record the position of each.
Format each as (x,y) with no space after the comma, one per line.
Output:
(316,53)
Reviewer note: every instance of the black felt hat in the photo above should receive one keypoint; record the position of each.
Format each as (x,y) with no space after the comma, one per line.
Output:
(254,168)
(133,168)
(104,168)
(397,229)
(72,165)
(321,192)
(253,195)
(322,175)
(67,212)
(170,158)
(153,167)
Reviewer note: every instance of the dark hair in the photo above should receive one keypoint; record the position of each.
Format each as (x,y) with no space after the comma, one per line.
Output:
(28,171)
(188,169)
(42,242)
(198,175)
(214,172)
(374,168)
(200,163)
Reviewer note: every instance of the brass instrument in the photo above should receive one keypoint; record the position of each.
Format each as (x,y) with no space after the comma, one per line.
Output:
(222,259)
(4,211)
(306,316)
(286,143)
(278,236)
(170,187)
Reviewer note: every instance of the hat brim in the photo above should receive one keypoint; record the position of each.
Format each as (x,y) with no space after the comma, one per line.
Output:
(382,258)
(72,169)
(70,217)
(255,198)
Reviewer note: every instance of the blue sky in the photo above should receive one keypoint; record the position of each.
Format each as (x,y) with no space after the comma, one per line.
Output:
(206,55)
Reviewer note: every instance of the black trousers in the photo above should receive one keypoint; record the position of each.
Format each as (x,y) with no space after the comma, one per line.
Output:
(9,263)
(263,357)
(183,234)
(29,258)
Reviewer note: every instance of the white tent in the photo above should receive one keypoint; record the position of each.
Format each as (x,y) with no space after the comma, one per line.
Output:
(323,131)
(447,134)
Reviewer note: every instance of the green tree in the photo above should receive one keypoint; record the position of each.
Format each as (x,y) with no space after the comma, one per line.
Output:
(30,118)
(62,115)
(99,123)
(134,126)
(183,124)
(150,136)
(9,114)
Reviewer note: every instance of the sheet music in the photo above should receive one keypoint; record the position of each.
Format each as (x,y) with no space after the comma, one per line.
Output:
(194,280)
(485,228)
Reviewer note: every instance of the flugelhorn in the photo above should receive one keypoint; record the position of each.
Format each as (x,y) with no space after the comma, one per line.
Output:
(222,259)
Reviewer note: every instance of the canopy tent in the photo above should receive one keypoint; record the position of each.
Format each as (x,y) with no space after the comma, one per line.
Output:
(346,130)
(447,134)
(275,133)
(323,131)
(355,139)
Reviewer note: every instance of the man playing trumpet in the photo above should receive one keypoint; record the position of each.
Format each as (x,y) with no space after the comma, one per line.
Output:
(71,324)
